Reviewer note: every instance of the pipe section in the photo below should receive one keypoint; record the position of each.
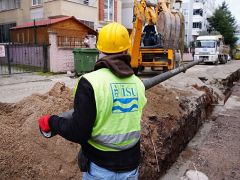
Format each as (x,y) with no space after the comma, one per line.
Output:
(162,77)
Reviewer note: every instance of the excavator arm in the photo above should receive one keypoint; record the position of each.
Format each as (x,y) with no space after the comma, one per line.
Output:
(168,24)
(143,13)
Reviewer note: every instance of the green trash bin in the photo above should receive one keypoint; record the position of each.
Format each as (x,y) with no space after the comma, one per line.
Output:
(84,59)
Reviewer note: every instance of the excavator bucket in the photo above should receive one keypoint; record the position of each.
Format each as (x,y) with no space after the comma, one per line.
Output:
(182,34)
(169,25)
(177,31)
(164,27)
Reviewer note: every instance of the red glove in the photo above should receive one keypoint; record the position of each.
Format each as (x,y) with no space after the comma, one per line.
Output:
(43,123)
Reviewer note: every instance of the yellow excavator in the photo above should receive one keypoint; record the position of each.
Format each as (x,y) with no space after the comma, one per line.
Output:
(157,37)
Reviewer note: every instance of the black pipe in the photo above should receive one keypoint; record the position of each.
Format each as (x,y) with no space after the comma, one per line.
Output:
(162,77)
(149,83)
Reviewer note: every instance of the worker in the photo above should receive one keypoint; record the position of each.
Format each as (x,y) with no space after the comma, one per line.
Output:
(149,32)
(108,106)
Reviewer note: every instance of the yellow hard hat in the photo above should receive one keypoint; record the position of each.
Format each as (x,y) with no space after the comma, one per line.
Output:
(113,38)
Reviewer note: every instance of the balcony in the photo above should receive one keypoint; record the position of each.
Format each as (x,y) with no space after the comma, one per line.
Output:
(198,5)
(81,9)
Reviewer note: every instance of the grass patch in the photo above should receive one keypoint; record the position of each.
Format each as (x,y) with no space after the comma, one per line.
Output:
(46,73)
(26,67)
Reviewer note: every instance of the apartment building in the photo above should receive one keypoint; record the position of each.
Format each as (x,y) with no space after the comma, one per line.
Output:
(94,13)
(196,13)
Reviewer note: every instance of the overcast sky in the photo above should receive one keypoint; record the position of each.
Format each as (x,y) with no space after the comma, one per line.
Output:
(234,7)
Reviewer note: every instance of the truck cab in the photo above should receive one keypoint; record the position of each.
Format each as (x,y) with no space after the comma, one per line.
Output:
(211,49)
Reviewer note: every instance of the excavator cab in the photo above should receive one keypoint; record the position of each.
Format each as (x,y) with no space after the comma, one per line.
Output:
(149,35)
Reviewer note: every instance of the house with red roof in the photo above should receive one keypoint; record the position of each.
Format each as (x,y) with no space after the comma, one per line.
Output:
(37,32)
(60,36)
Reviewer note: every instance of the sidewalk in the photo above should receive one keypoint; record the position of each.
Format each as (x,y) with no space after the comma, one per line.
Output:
(215,148)
(23,85)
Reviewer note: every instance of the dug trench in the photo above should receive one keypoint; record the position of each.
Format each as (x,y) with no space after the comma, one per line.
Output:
(171,118)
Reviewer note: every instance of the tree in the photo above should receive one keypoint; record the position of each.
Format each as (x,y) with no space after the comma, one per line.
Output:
(223,22)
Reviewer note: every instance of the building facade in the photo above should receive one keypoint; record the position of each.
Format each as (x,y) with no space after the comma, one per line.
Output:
(94,13)
(196,13)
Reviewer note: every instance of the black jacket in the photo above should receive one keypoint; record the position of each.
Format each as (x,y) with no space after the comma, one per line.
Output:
(79,128)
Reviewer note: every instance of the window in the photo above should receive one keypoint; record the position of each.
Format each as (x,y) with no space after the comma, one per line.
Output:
(5,32)
(205,44)
(9,4)
(36,2)
(198,12)
(197,25)
(108,10)
(86,2)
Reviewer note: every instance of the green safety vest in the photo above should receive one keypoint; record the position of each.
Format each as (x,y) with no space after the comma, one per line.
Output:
(119,105)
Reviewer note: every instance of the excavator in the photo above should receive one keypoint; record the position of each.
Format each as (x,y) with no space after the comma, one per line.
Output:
(160,50)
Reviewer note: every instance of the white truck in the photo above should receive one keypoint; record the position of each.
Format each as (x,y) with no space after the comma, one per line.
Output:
(211,49)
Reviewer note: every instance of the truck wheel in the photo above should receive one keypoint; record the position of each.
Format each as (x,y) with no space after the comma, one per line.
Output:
(216,62)
(226,58)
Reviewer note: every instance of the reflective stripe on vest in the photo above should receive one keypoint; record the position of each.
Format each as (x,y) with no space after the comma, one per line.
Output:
(117,138)
(112,140)
(120,148)
(119,105)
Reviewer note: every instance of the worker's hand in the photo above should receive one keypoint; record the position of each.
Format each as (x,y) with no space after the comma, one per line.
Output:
(43,123)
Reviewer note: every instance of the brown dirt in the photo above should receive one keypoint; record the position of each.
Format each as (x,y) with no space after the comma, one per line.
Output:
(160,118)
(25,154)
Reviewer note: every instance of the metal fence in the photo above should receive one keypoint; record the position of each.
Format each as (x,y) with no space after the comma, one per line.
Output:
(70,42)
(23,58)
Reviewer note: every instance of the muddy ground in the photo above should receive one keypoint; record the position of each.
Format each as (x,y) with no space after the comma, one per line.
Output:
(24,153)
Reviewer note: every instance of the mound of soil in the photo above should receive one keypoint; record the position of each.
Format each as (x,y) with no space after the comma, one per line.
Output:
(25,154)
